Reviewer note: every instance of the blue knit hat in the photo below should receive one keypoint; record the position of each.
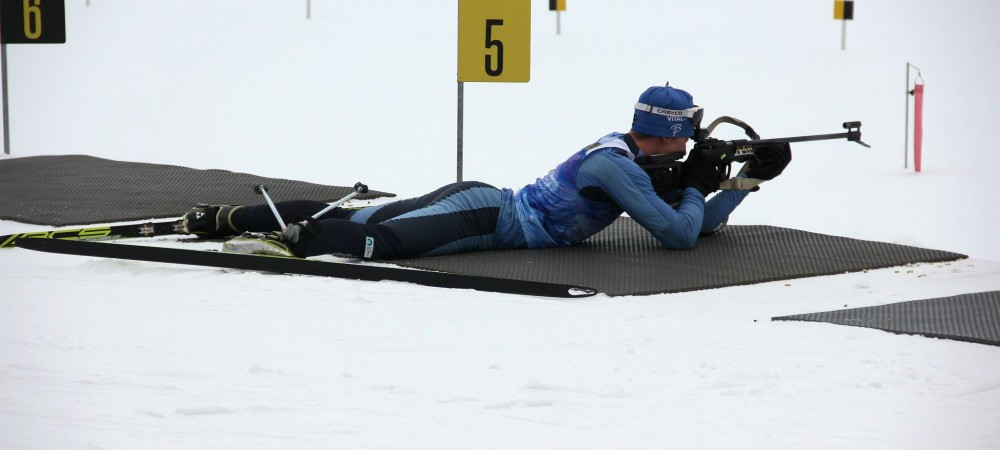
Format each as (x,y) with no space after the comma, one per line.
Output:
(665,111)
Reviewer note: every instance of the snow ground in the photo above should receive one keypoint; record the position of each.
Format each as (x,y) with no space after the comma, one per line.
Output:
(112,354)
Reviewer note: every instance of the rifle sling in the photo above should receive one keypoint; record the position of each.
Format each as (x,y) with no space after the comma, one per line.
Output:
(740,183)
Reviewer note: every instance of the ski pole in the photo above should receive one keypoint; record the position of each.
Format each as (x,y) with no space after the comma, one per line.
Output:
(358,189)
(262,190)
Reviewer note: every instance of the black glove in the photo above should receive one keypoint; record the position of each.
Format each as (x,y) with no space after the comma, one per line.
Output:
(769,161)
(698,172)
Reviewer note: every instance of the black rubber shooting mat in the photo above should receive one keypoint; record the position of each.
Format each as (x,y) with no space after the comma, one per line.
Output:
(625,259)
(78,190)
(967,317)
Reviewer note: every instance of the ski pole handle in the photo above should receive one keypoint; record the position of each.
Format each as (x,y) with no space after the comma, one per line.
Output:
(262,190)
(359,188)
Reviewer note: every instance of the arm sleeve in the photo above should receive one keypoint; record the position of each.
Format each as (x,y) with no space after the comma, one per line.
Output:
(629,187)
(719,207)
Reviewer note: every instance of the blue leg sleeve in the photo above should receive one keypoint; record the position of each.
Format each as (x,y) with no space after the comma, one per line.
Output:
(458,217)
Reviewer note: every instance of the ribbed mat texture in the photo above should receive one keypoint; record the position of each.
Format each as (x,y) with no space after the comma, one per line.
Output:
(967,317)
(78,190)
(625,259)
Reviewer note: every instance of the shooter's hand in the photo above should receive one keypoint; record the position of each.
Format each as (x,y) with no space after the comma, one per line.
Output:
(769,161)
(699,173)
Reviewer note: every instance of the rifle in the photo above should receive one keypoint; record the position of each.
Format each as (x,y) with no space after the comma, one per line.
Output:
(665,170)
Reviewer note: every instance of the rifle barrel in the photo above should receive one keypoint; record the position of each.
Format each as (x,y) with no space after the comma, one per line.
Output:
(814,137)
(853,134)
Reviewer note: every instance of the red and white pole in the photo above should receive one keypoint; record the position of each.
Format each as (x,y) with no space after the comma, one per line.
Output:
(918,129)
(918,123)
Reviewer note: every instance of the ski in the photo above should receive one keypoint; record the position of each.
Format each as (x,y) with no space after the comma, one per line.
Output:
(298,266)
(100,232)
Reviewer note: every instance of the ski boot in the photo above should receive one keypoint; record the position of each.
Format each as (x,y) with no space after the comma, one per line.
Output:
(210,221)
(270,243)
(290,242)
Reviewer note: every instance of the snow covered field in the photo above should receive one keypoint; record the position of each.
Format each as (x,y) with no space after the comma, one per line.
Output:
(113,354)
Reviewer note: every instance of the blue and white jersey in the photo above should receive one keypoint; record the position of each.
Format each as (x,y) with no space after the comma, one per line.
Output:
(592,188)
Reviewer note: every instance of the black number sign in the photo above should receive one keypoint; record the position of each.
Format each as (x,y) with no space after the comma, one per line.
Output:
(33,21)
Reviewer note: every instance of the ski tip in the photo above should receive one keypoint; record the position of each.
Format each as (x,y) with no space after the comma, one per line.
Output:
(578,291)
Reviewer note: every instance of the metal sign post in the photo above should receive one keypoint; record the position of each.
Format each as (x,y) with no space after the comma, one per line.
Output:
(461,124)
(494,45)
(6,123)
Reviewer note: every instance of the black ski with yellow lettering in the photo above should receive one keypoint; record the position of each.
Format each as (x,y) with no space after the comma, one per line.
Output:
(300,266)
(101,232)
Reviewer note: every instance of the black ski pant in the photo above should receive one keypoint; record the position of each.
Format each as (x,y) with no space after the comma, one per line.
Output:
(454,218)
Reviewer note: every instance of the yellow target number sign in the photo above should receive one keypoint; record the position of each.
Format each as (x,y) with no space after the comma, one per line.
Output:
(494,40)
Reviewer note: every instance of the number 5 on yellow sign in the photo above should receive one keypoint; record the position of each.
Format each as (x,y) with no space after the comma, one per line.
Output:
(494,40)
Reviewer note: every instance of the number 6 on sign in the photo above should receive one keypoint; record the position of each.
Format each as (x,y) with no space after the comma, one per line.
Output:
(505,28)
(33,22)
(32,19)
